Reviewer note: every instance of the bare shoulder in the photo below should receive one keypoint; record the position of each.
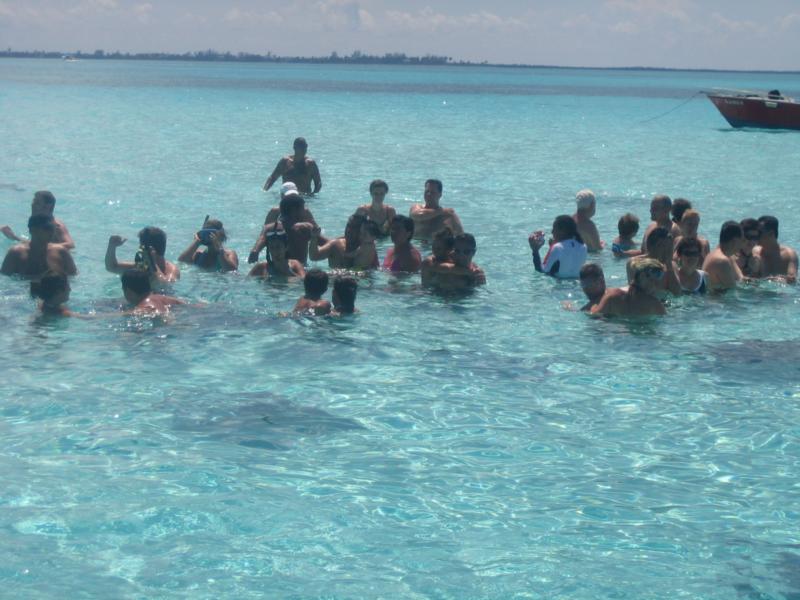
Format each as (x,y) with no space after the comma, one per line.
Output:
(416,209)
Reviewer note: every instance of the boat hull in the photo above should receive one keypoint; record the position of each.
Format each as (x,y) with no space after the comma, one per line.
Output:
(760,111)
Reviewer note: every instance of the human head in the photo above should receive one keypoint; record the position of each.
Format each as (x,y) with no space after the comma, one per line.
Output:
(402,229)
(378,189)
(155,238)
(370,231)
(628,225)
(315,283)
(300,146)
(344,294)
(593,280)
(277,244)
(768,226)
(464,247)
(433,191)
(135,285)
(731,234)
(679,206)
(289,189)
(659,244)
(43,203)
(41,228)
(442,244)
(647,272)
(352,230)
(565,228)
(660,206)
(52,288)
(752,234)
(217,225)
(690,221)
(689,251)
(292,207)
(586,202)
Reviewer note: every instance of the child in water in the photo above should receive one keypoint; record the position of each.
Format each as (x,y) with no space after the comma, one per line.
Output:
(315,284)
(624,246)
(53,290)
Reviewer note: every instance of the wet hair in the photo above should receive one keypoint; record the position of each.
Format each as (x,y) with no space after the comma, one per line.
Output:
(768,223)
(50,285)
(679,206)
(749,225)
(466,239)
(300,143)
(589,270)
(445,234)
(662,200)
(291,203)
(689,213)
(214,224)
(315,282)
(46,197)
(435,182)
(687,244)
(41,222)
(642,266)
(345,288)
(656,236)
(730,231)
(628,225)
(376,183)
(408,222)
(155,238)
(136,280)
(568,226)
(372,228)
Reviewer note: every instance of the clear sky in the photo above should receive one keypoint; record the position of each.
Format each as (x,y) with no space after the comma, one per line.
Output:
(723,34)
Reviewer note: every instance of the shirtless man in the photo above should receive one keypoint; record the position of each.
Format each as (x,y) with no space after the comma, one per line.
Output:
(660,207)
(293,218)
(139,294)
(403,257)
(34,258)
(583,219)
(297,168)
(431,217)
(720,266)
(337,249)
(43,204)
(378,212)
(593,284)
(747,259)
(660,248)
(639,299)
(441,253)
(315,284)
(688,226)
(776,260)
(152,246)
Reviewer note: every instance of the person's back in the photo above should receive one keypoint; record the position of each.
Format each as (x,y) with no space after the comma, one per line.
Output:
(138,292)
(315,284)
(586,207)
(344,296)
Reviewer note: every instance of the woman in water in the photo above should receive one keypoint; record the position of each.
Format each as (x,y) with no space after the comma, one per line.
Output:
(53,290)
(215,257)
(689,252)
(278,263)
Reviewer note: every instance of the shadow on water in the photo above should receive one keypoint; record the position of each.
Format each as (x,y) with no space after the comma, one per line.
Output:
(750,360)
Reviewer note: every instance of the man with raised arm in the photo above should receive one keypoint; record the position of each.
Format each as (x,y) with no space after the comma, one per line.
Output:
(44,203)
(298,169)
(38,256)
(430,217)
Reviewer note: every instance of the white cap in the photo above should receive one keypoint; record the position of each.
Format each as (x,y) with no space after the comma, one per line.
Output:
(289,189)
(584,198)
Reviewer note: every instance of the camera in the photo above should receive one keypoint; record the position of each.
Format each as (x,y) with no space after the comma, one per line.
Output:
(143,260)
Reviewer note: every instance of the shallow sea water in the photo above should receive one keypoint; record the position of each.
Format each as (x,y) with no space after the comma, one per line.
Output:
(493,445)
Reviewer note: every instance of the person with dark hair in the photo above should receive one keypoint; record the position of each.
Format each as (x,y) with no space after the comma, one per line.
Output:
(215,257)
(567,251)
(43,204)
(689,252)
(624,246)
(297,168)
(660,207)
(378,212)
(403,257)
(777,260)
(278,264)
(748,261)
(458,272)
(150,256)
(639,299)
(593,284)
(689,224)
(660,245)
(34,258)
(336,250)
(139,294)
(290,216)
(365,256)
(679,206)
(430,217)
(315,285)
(586,207)
(441,253)
(720,265)
(53,290)
(344,296)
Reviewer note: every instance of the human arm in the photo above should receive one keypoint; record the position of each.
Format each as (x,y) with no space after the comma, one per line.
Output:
(67,262)
(791,270)
(315,177)
(297,268)
(9,233)
(452,221)
(229,260)
(536,241)
(62,236)
(10,262)
(321,252)
(279,170)
(187,256)
(112,264)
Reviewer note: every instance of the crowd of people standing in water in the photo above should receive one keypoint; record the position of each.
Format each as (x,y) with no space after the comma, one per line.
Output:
(672,259)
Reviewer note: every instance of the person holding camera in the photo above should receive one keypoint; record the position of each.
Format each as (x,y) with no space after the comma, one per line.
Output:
(149,257)
(215,257)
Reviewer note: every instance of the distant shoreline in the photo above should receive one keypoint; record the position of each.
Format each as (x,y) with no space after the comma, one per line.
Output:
(356,58)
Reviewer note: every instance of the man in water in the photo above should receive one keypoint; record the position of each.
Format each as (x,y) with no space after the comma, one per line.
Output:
(403,257)
(639,299)
(587,205)
(336,249)
(298,169)
(660,207)
(315,285)
(291,216)
(659,247)
(34,258)
(747,259)
(593,284)
(720,266)
(137,291)
(44,203)
(776,260)
(431,217)
(152,246)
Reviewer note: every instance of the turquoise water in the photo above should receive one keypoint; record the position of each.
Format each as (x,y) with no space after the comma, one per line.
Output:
(494,445)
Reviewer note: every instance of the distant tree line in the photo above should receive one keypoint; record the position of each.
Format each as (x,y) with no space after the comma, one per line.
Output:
(357,57)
